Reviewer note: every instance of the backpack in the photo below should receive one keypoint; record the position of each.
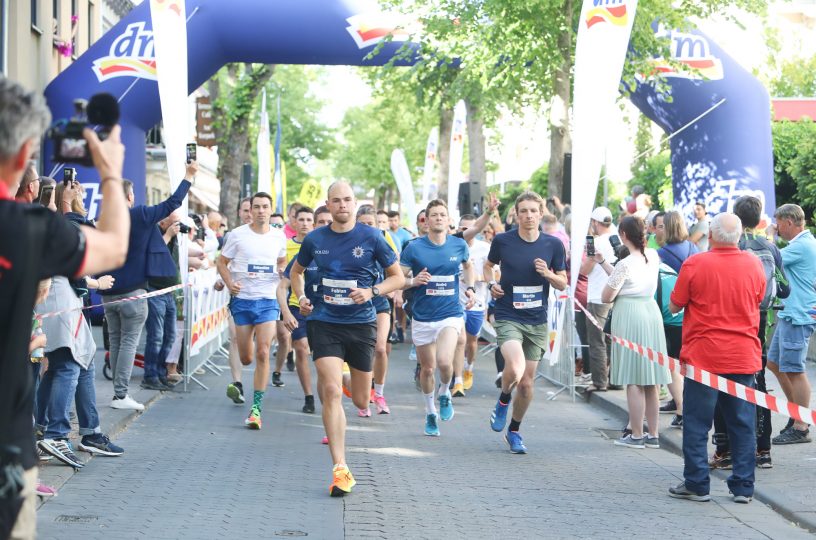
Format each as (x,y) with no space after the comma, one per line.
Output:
(772,274)
(663,297)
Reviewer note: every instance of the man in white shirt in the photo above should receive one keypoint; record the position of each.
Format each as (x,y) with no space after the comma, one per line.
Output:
(250,265)
(601,229)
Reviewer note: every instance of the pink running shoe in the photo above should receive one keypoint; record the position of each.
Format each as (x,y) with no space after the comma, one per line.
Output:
(382,406)
(364,413)
(325,440)
(46,492)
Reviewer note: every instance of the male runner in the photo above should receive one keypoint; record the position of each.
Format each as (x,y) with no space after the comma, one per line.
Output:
(434,261)
(250,265)
(382,305)
(342,327)
(294,322)
(530,262)
(322,216)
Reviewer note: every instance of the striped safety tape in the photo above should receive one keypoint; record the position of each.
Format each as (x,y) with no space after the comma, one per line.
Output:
(121,300)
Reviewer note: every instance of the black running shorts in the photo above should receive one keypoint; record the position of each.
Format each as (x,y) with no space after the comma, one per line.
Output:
(354,343)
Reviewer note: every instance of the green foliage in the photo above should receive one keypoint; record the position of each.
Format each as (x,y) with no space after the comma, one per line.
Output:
(655,177)
(797,78)
(539,178)
(511,191)
(795,164)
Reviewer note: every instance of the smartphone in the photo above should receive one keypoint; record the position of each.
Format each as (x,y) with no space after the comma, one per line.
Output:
(44,196)
(615,242)
(191,152)
(590,246)
(68,175)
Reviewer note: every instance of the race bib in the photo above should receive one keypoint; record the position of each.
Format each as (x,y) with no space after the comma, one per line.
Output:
(337,291)
(440,286)
(261,271)
(528,297)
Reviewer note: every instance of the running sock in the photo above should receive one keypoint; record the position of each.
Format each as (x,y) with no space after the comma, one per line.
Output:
(458,380)
(444,389)
(378,389)
(514,425)
(504,399)
(468,366)
(430,406)
(257,399)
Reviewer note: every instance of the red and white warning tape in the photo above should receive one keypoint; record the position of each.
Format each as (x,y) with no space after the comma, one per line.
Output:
(119,301)
(727,386)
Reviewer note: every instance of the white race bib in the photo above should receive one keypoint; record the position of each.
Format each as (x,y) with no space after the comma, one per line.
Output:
(337,291)
(528,297)
(258,270)
(440,286)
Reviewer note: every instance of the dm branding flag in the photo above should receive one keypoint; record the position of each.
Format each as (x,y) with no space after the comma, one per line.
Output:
(431,152)
(603,39)
(457,149)
(264,163)
(402,175)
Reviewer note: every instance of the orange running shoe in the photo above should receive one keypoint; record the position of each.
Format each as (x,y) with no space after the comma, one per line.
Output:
(467,378)
(342,482)
(253,421)
(346,391)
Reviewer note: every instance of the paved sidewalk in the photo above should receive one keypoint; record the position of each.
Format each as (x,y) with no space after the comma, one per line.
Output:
(788,487)
(192,470)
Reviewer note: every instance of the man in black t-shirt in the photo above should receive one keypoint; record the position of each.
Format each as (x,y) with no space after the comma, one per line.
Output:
(42,245)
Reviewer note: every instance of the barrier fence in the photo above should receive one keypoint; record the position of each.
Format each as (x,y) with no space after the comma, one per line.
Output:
(206,325)
(557,366)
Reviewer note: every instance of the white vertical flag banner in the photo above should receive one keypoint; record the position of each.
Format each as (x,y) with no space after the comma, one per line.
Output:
(457,149)
(402,176)
(264,160)
(600,51)
(431,152)
(169,19)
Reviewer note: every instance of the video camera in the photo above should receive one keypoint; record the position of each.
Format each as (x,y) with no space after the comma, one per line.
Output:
(101,113)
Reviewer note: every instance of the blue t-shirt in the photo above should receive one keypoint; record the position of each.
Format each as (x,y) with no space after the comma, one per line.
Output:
(345,261)
(439,299)
(525,290)
(402,235)
(675,255)
(311,280)
(799,258)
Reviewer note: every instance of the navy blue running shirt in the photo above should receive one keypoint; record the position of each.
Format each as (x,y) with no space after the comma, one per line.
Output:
(345,261)
(525,290)
(439,299)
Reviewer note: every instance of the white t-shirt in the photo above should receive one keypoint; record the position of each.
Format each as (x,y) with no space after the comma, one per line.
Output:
(478,256)
(633,276)
(596,280)
(254,261)
(210,243)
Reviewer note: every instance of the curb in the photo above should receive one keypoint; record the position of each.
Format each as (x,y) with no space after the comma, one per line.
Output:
(672,441)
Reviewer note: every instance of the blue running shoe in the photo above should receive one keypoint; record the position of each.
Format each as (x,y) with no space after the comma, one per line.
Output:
(431,428)
(499,416)
(445,408)
(516,443)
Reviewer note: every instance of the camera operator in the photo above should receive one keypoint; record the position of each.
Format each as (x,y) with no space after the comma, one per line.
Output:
(44,244)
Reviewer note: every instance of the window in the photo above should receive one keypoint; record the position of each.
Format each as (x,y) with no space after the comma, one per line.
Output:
(91,23)
(55,9)
(35,15)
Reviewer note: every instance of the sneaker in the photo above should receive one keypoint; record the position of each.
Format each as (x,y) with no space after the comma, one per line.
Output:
(792,436)
(235,392)
(763,459)
(670,407)
(346,391)
(515,442)
(290,362)
(631,442)
(61,449)
(100,445)
(342,481)
(498,380)
(170,384)
(467,378)
(417,382)
(651,442)
(154,384)
(126,403)
(742,499)
(381,405)
(431,427)
(46,492)
(324,440)
(584,378)
(499,417)
(680,491)
(677,421)
(720,461)
(458,390)
(42,455)
(276,379)
(253,421)
(308,405)
(364,413)
(445,408)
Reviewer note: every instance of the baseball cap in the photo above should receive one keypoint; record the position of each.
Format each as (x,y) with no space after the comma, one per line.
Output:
(602,214)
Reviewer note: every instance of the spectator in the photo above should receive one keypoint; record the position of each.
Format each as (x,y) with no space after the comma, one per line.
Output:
(214,228)
(510,219)
(290,230)
(659,230)
(652,229)
(551,226)
(126,319)
(44,244)
(29,189)
(676,247)
(720,291)
(789,345)
(207,234)
(632,286)
(673,330)
(597,276)
(50,201)
(698,233)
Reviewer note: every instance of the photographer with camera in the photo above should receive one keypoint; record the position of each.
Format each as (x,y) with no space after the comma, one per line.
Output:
(44,244)
(147,258)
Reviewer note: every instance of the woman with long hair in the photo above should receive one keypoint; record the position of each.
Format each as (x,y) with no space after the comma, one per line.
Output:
(637,318)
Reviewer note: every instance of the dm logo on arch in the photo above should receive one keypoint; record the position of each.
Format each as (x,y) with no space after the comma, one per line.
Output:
(607,11)
(130,55)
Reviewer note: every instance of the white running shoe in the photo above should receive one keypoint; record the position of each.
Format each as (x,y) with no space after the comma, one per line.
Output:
(126,403)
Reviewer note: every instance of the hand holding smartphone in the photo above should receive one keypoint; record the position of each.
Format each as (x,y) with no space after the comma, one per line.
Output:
(191,152)
(590,246)
(68,176)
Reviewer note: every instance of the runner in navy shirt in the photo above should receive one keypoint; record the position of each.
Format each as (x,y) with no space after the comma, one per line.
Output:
(530,262)
(342,326)
(438,318)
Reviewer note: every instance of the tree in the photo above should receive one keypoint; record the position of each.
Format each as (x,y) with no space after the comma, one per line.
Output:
(795,164)
(654,175)
(797,78)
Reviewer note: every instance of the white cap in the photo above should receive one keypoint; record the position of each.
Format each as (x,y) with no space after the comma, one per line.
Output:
(187,220)
(602,214)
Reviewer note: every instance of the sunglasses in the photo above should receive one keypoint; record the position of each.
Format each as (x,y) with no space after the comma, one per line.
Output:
(276,225)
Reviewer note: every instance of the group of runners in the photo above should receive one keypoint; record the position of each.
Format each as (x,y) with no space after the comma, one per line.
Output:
(330,290)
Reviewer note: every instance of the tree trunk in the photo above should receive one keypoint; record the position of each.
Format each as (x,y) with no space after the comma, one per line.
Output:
(445,126)
(560,140)
(476,149)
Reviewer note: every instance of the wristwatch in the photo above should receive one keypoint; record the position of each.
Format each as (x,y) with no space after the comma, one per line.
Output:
(375,292)
(490,285)
(471,288)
